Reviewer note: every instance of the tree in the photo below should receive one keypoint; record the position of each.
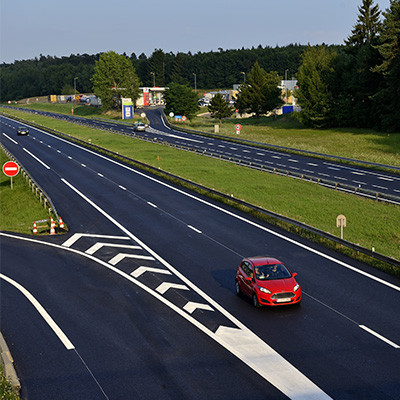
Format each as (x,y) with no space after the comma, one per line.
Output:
(260,94)
(181,100)
(389,48)
(157,68)
(368,24)
(219,108)
(114,77)
(314,77)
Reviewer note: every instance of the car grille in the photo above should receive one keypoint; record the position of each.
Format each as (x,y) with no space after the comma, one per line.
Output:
(283,295)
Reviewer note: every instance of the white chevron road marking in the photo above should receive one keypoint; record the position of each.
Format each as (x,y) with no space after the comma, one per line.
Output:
(99,245)
(168,285)
(119,257)
(75,237)
(192,306)
(141,270)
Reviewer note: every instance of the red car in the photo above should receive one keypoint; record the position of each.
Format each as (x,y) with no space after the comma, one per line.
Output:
(267,282)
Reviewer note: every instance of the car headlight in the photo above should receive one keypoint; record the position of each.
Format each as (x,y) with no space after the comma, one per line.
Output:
(296,287)
(264,290)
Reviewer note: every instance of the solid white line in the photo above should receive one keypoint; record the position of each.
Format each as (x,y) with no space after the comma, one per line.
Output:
(8,137)
(396,346)
(37,159)
(66,342)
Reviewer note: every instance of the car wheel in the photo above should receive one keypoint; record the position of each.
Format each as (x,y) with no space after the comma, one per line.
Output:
(237,288)
(256,303)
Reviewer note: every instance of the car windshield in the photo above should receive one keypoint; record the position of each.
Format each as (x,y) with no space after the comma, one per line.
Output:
(272,271)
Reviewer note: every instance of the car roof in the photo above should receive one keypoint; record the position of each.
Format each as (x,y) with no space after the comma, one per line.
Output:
(263,260)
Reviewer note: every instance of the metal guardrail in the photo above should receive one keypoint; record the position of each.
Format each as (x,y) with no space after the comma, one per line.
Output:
(367,193)
(233,200)
(293,174)
(36,189)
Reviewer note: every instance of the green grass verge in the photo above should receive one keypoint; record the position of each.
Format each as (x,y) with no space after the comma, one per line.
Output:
(6,389)
(369,223)
(19,206)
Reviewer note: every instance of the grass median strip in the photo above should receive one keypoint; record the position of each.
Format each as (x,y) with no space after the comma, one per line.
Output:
(369,223)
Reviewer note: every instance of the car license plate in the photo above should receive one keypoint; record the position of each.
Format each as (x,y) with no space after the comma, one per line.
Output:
(284,300)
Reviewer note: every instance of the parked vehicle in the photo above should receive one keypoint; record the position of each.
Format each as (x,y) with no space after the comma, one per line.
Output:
(267,281)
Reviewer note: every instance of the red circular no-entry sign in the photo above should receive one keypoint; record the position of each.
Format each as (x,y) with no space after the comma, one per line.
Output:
(10,168)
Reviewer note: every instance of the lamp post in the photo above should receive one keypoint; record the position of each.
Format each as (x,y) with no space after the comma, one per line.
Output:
(72,110)
(154,78)
(287,100)
(244,76)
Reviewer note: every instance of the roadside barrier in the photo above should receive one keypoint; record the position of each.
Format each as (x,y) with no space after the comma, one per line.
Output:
(34,230)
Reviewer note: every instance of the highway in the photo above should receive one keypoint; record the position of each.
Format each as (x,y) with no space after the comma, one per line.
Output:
(364,180)
(142,304)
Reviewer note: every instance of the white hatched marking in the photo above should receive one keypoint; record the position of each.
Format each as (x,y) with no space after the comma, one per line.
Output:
(77,236)
(141,270)
(99,245)
(168,285)
(191,306)
(119,257)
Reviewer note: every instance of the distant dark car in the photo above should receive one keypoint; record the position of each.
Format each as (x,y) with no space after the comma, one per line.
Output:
(267,282)
(22,131)
(139,127)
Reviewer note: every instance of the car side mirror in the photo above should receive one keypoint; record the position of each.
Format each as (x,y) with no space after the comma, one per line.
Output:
(249,278)
(294,274)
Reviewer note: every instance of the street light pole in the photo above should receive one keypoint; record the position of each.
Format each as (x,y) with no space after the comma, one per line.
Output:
(154,78)
(244,76)
(287,100)
(72,110)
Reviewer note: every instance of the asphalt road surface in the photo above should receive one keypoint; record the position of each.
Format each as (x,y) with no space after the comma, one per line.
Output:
(137,301)
(332,174)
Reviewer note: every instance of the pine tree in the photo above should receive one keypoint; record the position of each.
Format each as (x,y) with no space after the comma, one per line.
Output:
(314,78)
(368,24)
(219,108)
(387,98)
(260,94)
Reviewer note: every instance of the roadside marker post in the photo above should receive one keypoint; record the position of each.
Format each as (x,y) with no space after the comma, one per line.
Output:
(238,127)
(341,223)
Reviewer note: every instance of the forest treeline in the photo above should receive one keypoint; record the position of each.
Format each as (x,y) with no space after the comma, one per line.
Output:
(206,70)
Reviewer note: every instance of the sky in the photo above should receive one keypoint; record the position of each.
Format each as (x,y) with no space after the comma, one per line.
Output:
(64,27)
